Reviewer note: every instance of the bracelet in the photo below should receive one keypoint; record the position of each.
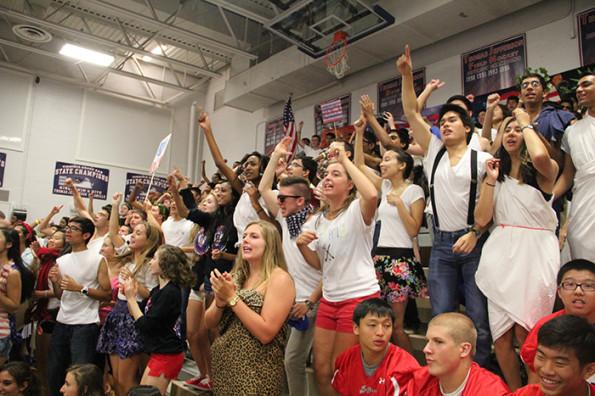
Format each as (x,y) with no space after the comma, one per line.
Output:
(491,185)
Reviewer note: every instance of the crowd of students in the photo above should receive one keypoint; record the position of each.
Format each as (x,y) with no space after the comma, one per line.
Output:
(274,257)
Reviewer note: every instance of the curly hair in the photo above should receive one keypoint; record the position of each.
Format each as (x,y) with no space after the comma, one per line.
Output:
(23,375)
(175,266)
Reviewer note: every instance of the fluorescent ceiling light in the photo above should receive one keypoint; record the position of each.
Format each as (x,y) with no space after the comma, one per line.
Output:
(86,55)
(157,51)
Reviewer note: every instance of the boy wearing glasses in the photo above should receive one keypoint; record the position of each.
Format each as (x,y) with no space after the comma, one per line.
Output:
(576,289)
(80,279)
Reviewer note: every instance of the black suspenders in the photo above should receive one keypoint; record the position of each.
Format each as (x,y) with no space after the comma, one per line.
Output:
(472,187)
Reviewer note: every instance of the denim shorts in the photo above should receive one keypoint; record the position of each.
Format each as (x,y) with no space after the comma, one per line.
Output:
(5,346)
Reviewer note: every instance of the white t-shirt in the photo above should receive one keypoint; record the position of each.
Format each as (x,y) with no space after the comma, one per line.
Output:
(244,214)
(177,233)
(94,245)
(75,307)
(312,152)
(451,184)
(344,248)
(392,230)
(306,277)
(578,141)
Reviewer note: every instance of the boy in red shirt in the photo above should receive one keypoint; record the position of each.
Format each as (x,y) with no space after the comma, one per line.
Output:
(565,357)
(576,289)
(451,370)
(374,366)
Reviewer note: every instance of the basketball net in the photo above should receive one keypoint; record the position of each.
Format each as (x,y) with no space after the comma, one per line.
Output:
(336,56)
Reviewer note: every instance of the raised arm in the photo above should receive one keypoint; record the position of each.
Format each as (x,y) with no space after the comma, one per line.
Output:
(229,174)
(419,128)
(358,149)
(542,161)
(484,211)
(79,205)
(298,134)
(367,191)
(203,172)
(114,221)
(90,204)
(266,182)
(368,111)
(423,97)
(44,226)
(172,187)
(492,102)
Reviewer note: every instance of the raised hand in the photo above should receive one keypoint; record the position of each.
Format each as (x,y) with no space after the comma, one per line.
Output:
(403,63)
(117,198)
(69,183)
(492,170)
(388,117)
(56,209)
(367,106)
(435,84)
(521,116)
(493,100)
(203,121)
(282,148)
(359,125)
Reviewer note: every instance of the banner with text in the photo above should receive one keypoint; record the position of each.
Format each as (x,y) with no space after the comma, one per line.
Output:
(159,184)
(85,178)
(389,93)
(586,28)
(273,133)
(494,67)
(343,120)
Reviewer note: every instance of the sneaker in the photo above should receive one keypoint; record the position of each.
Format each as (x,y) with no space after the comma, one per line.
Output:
(205,385)
(194,382)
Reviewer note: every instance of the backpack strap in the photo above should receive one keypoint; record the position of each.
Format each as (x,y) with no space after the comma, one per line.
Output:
(432,199)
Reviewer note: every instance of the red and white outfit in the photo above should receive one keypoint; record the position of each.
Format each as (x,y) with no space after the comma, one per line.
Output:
(529,348)
(4,319)
(520,260)
(479,382)
(390,378)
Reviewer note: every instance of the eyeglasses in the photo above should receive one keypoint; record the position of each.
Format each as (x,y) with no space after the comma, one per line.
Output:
(534,84)
(570,285)
(281,198)
(296,165)
(71,228)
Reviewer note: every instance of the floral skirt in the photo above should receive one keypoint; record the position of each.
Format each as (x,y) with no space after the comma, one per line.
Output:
(400,277)
(118,334)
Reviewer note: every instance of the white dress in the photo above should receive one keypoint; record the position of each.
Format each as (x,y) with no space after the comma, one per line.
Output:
(520,260)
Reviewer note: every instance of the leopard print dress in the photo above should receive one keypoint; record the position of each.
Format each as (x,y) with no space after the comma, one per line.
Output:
(242,365)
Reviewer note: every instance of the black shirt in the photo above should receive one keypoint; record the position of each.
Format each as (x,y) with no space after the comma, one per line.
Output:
(156,326)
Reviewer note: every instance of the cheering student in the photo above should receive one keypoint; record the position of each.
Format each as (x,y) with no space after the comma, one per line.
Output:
(162,310)
(450,367)
(576,289)
(374,366)
(565,357)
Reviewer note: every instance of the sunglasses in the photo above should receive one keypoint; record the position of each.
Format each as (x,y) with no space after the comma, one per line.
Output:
(281,198)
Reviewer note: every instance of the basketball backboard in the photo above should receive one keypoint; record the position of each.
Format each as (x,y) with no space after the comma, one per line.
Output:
(311,24)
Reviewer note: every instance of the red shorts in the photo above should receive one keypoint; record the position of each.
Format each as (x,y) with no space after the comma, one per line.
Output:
(338,316)
(167,364)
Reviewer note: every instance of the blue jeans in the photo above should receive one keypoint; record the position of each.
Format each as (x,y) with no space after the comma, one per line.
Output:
(447,270)
(70,344)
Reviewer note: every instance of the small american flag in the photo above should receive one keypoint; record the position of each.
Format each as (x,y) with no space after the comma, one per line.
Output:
(332,111)
(289,125)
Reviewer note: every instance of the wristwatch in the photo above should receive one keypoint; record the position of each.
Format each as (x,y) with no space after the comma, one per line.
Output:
(309,304)
(528,126)
(476,231)
(85,291)
(234,300)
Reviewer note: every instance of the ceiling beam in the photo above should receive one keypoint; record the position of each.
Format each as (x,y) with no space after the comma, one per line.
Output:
(203,40)
(239,10)
(111,70)
(104,42)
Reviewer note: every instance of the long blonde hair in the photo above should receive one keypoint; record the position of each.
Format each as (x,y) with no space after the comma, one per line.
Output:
(324,207)
(153,242)
(273,256)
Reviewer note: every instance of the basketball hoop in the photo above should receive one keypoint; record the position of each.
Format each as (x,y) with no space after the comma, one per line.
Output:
(336,57)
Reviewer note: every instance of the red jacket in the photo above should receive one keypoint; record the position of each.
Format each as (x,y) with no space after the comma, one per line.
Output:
(529,348)
(480,382)
(535,390)
(390,378)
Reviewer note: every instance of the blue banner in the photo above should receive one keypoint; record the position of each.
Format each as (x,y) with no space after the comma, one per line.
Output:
(85,178)
(159,185)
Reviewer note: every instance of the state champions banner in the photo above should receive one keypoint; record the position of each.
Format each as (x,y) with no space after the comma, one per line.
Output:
(389,93)
(159,185)
(494,67)
(85,178)
(586,30)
